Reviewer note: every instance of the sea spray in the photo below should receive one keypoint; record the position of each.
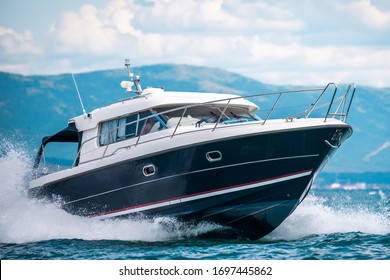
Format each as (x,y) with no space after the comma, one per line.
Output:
(24,219)
(357,228)
(315,217)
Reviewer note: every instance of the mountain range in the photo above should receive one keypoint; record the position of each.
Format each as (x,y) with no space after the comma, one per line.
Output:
(34,106)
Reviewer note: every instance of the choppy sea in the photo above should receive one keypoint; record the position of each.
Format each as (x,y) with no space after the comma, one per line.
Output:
(337,222)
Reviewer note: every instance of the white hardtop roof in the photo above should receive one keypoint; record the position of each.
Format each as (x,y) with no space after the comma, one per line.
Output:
(154,98)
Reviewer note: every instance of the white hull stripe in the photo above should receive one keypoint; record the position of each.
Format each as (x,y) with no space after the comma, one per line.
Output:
(201,195)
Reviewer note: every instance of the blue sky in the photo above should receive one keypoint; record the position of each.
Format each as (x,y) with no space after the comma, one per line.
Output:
(279,42)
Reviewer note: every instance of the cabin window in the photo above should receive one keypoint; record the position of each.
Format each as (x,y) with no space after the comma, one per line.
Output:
(117,130)
(204,114)
(130,126)
(108,132)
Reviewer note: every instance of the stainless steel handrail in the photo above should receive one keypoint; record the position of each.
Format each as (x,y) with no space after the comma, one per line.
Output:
(221,115)
(319,98)
(342,114)
(273,107)
(225,106)
(350,101)
(178,123)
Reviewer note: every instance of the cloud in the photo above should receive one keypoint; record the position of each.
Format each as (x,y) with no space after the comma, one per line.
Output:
(214,17)
(276,42)
(377,151)
(365,12)
(86,31)
(120,22)
(14,43)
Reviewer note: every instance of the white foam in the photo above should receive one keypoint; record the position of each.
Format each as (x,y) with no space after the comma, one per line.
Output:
(313,217)
(27,220)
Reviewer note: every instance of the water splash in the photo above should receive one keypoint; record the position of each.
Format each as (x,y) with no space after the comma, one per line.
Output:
(23,219)
(315,217)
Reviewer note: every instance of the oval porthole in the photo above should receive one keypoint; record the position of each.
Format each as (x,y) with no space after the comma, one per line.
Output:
(149,170)
(213,156)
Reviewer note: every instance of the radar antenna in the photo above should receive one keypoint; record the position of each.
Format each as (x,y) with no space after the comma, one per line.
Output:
(133,80)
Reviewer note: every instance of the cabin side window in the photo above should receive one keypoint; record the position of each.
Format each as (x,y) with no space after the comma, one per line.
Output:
(129,126)
(108,132)
(118,129)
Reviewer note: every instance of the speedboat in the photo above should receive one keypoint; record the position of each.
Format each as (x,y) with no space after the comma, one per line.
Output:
(241,161)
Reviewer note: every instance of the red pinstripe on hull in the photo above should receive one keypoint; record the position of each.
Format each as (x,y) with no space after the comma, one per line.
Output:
(201,195)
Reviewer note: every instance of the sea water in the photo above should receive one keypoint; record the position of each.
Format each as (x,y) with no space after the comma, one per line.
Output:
(332,223)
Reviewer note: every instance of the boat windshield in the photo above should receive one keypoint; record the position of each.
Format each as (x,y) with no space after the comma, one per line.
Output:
(207,114)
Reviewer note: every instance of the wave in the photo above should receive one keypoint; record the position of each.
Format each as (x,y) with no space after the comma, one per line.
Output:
(24,219)
(315,217)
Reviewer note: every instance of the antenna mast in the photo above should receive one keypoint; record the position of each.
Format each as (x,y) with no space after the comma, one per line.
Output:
(127,64)
(78,93)
(133,80)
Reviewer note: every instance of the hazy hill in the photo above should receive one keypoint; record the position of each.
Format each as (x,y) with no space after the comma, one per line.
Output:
(34,106)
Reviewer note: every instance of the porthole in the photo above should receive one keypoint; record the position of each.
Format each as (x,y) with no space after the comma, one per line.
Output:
(149,170)
(213,156)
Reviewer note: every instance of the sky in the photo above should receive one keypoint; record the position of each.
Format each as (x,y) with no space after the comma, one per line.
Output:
(302,42)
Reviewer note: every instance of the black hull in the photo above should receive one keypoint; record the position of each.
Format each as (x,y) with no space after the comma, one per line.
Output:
(257,183)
